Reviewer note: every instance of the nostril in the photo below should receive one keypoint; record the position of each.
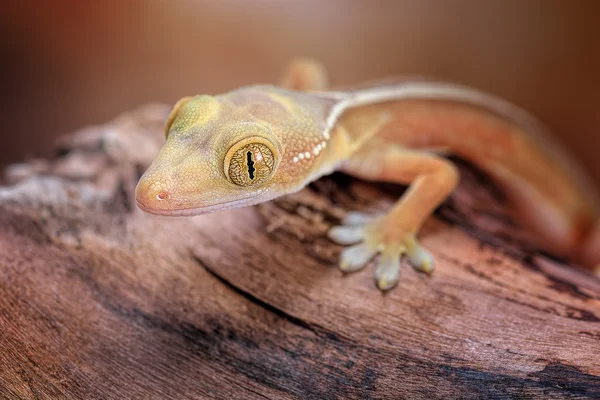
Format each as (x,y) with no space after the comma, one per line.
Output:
(162,195)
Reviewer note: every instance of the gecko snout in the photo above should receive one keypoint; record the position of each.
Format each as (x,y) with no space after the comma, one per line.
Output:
(152,197)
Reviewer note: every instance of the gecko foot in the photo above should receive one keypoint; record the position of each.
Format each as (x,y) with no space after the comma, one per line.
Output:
(368,236)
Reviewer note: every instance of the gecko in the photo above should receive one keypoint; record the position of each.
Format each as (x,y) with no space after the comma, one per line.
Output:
(263,141)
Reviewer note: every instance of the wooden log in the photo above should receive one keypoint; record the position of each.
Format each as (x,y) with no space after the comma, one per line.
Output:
(99,300)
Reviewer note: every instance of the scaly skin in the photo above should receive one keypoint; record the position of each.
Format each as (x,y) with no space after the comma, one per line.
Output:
(261,142)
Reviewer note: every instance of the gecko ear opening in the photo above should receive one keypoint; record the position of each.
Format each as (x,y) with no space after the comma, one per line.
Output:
(174,112)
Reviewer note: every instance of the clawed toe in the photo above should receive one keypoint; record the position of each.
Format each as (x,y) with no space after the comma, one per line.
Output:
(356,257)
(420,258)
(387,272)
(358,218)
(347,234)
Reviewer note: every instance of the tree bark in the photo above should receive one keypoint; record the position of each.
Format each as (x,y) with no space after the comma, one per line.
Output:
(99,300)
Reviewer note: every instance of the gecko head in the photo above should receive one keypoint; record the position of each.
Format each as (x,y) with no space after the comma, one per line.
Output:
(215,158)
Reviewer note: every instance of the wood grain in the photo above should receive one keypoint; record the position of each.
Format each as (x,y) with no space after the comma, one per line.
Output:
(101,301)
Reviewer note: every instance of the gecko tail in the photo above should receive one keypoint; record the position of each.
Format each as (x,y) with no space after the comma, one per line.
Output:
(565,221)
(590,250)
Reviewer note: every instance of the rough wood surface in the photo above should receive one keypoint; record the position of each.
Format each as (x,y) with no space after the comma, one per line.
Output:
(101,301)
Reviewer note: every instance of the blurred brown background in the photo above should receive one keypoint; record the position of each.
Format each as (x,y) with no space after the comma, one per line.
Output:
(67,64)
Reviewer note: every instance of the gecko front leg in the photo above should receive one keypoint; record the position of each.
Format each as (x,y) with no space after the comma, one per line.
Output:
(431,180)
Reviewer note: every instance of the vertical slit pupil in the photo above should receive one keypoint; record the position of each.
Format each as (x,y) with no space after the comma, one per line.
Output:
(251,168)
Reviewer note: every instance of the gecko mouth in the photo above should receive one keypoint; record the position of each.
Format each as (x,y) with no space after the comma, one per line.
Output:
(191,211)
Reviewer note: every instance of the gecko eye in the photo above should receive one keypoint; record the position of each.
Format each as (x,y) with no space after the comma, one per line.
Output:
(249,163)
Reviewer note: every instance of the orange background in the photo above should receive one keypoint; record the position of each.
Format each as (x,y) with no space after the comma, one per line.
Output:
(67,64)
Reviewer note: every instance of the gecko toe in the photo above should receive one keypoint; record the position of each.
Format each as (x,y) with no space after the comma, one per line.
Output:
(356,257)
(358,218)
(387,272)
(347,234)
(420,258)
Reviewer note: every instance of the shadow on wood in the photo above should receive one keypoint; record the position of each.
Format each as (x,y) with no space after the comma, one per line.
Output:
(99,300)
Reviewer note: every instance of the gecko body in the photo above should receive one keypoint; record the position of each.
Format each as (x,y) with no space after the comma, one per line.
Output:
(261,142)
